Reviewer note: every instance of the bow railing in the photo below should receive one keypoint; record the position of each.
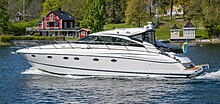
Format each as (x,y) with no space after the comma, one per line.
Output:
(19,44)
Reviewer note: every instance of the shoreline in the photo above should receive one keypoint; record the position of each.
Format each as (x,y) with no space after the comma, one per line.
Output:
(199,41)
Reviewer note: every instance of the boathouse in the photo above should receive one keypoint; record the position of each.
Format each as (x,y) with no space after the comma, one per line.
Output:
(188,32)
(58,23)
(175,32)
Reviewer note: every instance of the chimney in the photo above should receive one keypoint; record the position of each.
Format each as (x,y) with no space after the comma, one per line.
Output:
(59,9)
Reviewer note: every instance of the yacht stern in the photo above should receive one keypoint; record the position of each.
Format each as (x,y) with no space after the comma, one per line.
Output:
(198,70)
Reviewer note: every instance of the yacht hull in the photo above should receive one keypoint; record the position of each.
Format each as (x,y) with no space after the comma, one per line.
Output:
(60,70)
(106,64)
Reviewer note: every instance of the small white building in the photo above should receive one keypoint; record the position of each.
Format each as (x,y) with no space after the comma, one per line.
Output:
(175,32)
(18,16)
(177,10)
(189,31)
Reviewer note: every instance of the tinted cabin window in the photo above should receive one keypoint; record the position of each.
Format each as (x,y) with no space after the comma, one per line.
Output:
(89,38)
(146,36)
(125,42)
(109,41)
(138,37)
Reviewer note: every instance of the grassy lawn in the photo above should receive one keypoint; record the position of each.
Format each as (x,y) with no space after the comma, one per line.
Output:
(163,31)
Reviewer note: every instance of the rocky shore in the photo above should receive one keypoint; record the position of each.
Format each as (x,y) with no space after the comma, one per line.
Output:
(207,41)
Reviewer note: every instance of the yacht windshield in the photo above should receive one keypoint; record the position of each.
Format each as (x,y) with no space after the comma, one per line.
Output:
(145,37)
(107,40)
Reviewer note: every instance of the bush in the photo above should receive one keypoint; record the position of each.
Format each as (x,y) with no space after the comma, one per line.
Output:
(9,38)
(36,34)
(19,28)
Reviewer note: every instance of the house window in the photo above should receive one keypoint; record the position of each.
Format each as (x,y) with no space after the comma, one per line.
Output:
(71,24)
(65,25)
(56,24)
(51,16)
(48,25)
(83,32)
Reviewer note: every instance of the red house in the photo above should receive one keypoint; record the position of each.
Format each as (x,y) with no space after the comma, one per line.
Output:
(57,23)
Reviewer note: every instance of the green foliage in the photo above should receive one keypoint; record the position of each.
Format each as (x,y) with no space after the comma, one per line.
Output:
(207,12)
(163,31)
(76,8)
(32,8)
(19,28)
(115,10)
(4,18)
(95,15)
(120,25)
(49,5)
(136,13)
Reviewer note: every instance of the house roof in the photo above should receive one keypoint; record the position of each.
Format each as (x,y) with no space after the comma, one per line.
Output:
(61,14)
(189,24)
(18,14)
(175,27)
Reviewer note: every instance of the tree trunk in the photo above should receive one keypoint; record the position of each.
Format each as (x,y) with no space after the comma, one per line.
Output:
(171,10)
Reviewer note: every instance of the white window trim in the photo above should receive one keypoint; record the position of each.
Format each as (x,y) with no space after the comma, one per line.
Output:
(47,27)
(51,17)
(56,27)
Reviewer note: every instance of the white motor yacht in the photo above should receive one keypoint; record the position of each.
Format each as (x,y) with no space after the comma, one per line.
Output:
(119,52)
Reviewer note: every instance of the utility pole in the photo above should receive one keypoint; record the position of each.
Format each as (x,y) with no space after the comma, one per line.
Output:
(23,9)
(157,15)
(150,8)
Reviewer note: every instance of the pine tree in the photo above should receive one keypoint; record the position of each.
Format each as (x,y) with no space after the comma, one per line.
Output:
(95,15)
(4,18)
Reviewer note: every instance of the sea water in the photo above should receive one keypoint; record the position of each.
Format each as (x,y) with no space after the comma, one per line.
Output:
(21,83)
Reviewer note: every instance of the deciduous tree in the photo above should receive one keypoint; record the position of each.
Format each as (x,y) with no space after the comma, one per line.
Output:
(49,5)
(77,8)
(115,10)
(4,18)
(136,12)
(206,11)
